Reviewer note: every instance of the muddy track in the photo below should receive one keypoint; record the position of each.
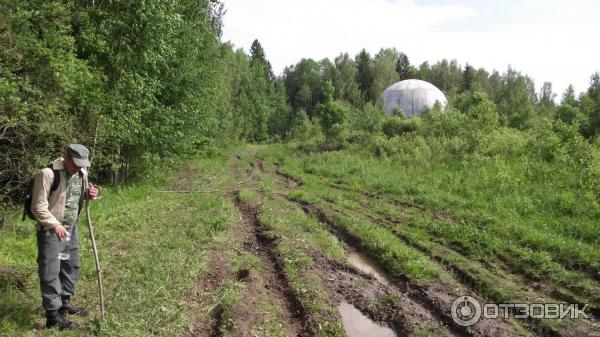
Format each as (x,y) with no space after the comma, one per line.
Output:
(260,166)
(436,298)
(207,322)
(346,283)
(540,327)
(505,266)
(430,296)
(293,181)
(382,303)
(497,271)
(404,321)
(260,244)
(466,277)
(590,271)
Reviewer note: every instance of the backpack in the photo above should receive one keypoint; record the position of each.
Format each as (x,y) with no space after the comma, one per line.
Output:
(29,193)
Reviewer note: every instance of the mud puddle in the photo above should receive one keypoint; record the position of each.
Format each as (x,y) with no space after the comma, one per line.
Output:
(358,325)
(366,265)
(435,298)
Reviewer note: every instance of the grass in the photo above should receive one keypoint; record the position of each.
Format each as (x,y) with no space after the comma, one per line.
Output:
(492,218)
(500,222)
(398,258)
(293,231)
(152,249)
(498,216)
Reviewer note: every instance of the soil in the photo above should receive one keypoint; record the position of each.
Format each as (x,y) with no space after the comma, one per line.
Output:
(404,305)
(436,298)
(207,317)
(292,181)
(271,280)
(10,277)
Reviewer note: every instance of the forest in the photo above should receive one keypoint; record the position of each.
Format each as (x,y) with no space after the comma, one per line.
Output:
(143,83)
(498,189)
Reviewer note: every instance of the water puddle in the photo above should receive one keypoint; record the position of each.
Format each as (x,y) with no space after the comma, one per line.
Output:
(364,264)
(358,325)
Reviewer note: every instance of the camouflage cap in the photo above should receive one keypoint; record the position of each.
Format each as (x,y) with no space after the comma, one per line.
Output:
(79,154)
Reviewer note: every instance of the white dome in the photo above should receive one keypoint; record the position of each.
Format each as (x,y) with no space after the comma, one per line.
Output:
(412,96)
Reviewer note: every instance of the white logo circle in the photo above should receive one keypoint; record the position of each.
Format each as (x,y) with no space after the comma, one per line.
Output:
(466,311)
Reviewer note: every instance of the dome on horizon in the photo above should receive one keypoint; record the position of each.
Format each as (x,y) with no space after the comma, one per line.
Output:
(412,96)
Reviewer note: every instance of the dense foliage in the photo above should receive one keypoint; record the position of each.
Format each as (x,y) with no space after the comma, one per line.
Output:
(359,82)
(142,83)
(139,83)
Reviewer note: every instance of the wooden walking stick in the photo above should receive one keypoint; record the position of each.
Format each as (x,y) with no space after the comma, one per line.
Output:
(91,231)
(95,251)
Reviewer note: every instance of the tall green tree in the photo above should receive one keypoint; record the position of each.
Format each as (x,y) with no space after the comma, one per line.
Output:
(468,82)
(364,75)
(569,96)
(280,122)
(424,72)
(259,59)
(48,96)
(590,104)
(144,79)
(347,88)
(546,106)
(304,85)
(404,69)
(569,111)
(447,76)
(332,116)
(516,99)
(384,72)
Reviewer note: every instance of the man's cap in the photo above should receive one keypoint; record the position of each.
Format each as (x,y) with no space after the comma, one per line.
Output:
(79,154)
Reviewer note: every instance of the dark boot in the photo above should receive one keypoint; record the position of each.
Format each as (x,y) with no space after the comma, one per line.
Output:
(55,319)
(70,309)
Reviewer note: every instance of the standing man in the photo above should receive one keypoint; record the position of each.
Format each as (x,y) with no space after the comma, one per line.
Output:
(57,213)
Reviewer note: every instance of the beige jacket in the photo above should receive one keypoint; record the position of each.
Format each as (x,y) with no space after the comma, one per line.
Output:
(49,210)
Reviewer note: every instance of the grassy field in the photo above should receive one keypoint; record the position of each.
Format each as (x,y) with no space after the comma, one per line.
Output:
(257,243)
(152,248)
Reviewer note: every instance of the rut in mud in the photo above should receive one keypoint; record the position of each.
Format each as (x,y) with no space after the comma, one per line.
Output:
(504,267)
(364,299)
(435,298)
(368,292)
(256,242)
(469,274)
(425,306)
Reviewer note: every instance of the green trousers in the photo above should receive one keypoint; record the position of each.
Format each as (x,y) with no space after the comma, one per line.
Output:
(57,277)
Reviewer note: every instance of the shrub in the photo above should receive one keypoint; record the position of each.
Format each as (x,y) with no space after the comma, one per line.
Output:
(332,116)
(368,119)
(396,126)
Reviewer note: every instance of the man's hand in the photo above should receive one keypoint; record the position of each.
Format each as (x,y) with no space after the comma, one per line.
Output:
(94,192)
(60,232)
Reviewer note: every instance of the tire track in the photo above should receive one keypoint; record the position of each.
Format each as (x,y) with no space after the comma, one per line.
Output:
(590,271)
(261,245)
(465,272)
(345,283)
(436,298)
(500,269)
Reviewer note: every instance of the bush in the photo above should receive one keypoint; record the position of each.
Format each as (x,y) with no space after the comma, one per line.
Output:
(396,126)
(332,116)
(504,141)
(368,119)
(382,147)
(301,127)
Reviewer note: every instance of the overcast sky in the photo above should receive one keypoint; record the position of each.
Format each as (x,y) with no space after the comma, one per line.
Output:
(551,40)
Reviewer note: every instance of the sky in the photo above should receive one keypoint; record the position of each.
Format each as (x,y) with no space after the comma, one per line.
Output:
(555,41)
